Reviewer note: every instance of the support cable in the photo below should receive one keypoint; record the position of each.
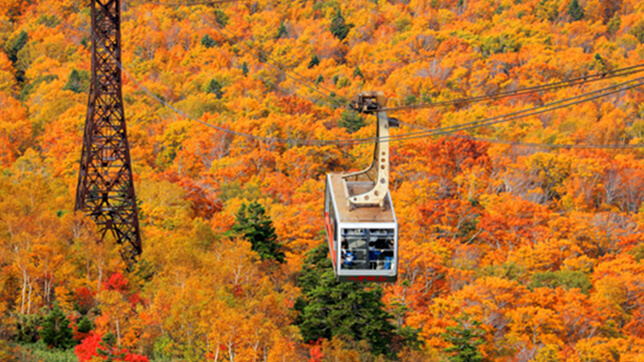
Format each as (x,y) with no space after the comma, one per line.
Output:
(621,72)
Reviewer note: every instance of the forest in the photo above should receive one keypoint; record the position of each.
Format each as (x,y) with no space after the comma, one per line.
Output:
(520,239)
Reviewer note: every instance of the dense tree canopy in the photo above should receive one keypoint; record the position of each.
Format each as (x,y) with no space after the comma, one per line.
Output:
(538,245)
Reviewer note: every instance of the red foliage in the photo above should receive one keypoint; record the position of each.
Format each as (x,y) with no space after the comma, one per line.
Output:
(238,291)
(203,203)
(116,282)
(316,353)
(135,299)
(295,105)
(85,298)
(133,357)
(87,348)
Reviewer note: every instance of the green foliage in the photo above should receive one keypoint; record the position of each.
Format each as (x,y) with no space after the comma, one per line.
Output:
(108,348)
(504,43)
(208,42)
(638,31)
(55,330)
(281,31)
(244,69)
(410,99)
(49,21)
(314,61)
(464,339)
(598,63)
(220,17)
(253,223)
(575,10)
(17,45)
(566,279)
(36,352)
(357,72)
(78,82)
(329,308)
(27,328)
(614,24)
(352,121)
(215,87)
(339,28)
(547,10)
(84,325)
(319,80)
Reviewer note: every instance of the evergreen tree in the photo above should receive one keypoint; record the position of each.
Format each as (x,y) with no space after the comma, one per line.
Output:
(220,17)
(77,82)
(352,121)
(319,80)
(215,88)
(27,327)
(339,28)
(84,325)
(244,69)
(464,341)
(55,330)
(314,61)
(281,31)
(18,44)
(575,11)
(208,42)
(253,223)
(108,349)
(329,308)
(357,72)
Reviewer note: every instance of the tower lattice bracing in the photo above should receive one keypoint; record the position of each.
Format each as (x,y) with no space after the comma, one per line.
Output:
(105,186)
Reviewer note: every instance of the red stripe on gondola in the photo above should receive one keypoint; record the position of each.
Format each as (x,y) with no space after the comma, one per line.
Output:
(367,279)
(330,234)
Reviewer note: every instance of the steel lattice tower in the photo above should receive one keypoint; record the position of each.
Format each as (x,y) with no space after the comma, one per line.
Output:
(105,187)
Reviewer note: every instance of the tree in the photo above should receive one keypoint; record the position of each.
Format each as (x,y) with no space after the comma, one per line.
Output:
(78,81)
(56,331)
(575,10)
(281,31)
(339,28)
(16,46)
(330,309)
(357,72)
(253,223)
(85,325)
(108,348)
(214,87)
(464,339)
(314,61)
(352,121)
(208,42)
(220,17)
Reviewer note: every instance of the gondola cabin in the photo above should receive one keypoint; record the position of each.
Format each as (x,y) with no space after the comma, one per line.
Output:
(363,242)
(361,225)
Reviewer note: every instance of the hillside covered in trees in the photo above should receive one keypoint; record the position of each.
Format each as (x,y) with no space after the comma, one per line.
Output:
(513,246)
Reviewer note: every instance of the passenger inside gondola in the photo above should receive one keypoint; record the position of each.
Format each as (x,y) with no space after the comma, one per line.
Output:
(380,249)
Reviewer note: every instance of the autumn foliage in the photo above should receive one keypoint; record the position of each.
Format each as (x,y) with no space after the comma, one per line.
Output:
(512,245)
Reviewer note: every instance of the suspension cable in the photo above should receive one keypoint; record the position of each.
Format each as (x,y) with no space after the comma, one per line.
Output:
(523,91)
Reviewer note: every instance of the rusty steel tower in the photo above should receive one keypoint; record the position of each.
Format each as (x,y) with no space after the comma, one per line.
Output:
(105,187)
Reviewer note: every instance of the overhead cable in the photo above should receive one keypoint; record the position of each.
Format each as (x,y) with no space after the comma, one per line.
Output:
(621,72)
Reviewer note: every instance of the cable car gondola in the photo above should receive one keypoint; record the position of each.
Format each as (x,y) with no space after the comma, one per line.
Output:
(359,216)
